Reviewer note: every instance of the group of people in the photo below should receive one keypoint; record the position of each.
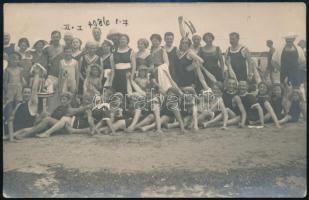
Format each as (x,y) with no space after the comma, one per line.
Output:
(107,87)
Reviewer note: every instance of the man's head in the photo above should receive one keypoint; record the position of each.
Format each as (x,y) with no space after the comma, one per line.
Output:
(26,93)
(231,85)
(242,87)
(289,39)
(169,38)
(67,52)
(269,43)
(68,39)
(91,48)
(65,98)
(55,36)
(234,38)
(6,39)
(96,33)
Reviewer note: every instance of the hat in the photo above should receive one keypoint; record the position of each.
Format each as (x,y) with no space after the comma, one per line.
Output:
(111,43)
(290,35)
(66,94)
(113,32)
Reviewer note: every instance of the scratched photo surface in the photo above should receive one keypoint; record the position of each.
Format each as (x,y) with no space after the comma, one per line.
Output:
(210,151)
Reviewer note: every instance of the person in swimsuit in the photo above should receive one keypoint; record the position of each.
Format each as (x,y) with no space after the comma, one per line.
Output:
(8,47)
(188,67)
(38,56)
(271,71)
(196,43)
(68,39)
(68,73)
(76,47)
(26,58)
(263,99)
(238,60)
(90,58)
(93,81)
(171,52)
(107,63)
(254,111)
(143,55)
(125,62)
(213,59)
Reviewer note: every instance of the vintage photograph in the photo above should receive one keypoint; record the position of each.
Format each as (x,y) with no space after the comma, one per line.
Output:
(154,100)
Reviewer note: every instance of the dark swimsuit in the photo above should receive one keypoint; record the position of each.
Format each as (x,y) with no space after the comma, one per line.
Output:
(276,104)
(238,63)
(248,100)
(228,102)
(289,67)
(184,77)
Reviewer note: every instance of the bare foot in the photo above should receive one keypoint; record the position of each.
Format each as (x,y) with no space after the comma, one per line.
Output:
(278,126)
(43,135)
(158,131)
(223,128)
(143,129)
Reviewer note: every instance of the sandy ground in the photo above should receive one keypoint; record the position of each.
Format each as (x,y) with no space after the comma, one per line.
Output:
(208,163)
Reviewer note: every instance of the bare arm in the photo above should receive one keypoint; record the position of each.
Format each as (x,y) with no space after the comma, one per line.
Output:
(221,62)
(247,55)
(195,121)
(74,111)
(191,54)
(113,69)
(137,88)
(165,57)
(201,78)
(181,27)
(133,65)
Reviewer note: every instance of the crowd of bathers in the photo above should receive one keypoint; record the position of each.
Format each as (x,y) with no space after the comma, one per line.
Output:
(106,87)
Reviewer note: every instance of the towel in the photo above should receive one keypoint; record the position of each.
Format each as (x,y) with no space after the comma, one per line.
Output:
(164,78)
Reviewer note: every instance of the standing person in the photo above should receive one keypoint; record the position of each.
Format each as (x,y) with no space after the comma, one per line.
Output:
(8,47)
(68,39)
(124,59)
(76,47)
(93,81)
(85,61)
(143,57)
(26,58)
(171,52)
(68,72)
(114,36)
(271,70)
(238,59)
(13,81)
(107,62)
(97,36)
(291,59)
(212,57)
(187,70)
(38,56)
(303,68)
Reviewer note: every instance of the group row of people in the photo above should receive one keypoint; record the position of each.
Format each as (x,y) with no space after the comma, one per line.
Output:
(161,86)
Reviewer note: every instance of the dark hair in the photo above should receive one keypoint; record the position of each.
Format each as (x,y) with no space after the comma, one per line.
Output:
(21,40)
(270,41)
(168,34)
(208,34)
(235,34)
(267,86)
(144,41)
(156,36)
(125,35)
(80,42)
(54,32)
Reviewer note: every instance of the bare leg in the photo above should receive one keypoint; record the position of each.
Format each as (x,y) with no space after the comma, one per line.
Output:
(285,119)
(43,125)
(145,121)
(56,127)
(77,131)
(179,119)
(118,125)
(137,115)
(214,121)
(156,111)
(272,113)
(261,115)
(205,114)
(164,119)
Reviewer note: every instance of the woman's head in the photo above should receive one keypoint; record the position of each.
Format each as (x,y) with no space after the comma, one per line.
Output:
(76,43)
(107,46)
(23,44)
(208,38)
(156,40)
(39,45)
(184,44)
(65,98)
(142,44)
(263,88)
(124,40)
(169,38)
(196,39)
(242,87)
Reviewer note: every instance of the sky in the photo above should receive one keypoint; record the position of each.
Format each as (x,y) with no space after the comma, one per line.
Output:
(256,22)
